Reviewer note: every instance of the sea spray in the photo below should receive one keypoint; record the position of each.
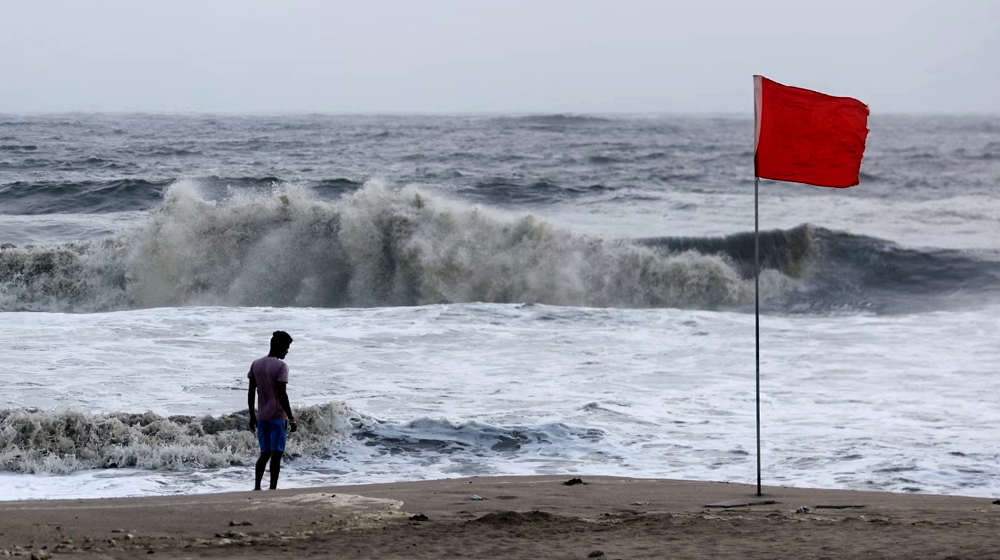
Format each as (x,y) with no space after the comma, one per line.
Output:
(378,247)
(82,276)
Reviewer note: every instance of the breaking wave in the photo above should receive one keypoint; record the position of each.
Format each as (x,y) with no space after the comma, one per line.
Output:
(376,247)
(33,441)
(286,245)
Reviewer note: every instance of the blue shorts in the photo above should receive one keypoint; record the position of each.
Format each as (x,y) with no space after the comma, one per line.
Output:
(271,435)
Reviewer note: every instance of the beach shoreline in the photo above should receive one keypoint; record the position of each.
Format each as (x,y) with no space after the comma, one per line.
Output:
(510,516)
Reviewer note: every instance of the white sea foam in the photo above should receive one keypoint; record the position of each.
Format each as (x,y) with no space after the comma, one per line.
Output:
(456,390)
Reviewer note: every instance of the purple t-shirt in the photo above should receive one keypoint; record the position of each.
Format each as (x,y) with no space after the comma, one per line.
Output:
(267,371)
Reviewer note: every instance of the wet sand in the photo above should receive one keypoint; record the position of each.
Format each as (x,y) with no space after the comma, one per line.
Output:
(517,517)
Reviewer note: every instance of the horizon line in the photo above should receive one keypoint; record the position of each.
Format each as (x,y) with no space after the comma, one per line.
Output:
(491,113)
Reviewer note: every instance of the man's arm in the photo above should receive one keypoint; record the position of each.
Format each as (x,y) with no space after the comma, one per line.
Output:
(251,393)
(282,388)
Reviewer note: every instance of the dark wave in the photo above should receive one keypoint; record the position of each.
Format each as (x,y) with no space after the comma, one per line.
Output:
(123,195)
(792,252)
(83,197)
(218,188)
(861,272)
(28,163)
(604,160)
(443,436)
(88,164)
(214,181)
(102,163)
(335,188)
(506,192)
(840,271)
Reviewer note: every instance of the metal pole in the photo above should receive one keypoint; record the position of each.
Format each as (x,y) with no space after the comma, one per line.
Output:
(756,302)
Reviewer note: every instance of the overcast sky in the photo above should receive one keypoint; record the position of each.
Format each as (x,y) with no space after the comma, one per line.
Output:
(509,56)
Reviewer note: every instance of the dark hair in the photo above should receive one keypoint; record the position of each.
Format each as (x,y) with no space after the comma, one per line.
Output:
(280,339)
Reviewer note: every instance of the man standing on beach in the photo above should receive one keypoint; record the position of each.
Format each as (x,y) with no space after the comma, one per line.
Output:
(268,381)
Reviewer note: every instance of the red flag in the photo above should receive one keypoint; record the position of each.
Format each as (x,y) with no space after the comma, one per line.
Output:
(807,137)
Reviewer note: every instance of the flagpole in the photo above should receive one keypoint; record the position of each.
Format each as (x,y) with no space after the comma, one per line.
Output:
(756,304)
(812,122)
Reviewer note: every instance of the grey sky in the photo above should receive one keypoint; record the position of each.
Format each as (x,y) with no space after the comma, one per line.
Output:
(453,56)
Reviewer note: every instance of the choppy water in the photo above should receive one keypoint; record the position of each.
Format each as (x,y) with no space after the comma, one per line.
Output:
(474,296)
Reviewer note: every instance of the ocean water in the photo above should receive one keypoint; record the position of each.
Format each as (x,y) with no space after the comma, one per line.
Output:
(482,295)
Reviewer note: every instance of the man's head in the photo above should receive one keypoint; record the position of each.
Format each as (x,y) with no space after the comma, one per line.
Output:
(280,341)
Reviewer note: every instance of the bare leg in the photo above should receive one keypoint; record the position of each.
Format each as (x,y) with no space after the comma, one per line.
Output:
(259,471)
(275,468)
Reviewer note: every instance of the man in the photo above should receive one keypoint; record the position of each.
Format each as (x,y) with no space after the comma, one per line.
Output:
(268,380)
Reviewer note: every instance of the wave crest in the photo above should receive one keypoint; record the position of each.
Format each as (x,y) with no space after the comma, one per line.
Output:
(377,247)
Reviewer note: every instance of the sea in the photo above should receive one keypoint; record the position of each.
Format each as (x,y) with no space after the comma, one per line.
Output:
(479,295)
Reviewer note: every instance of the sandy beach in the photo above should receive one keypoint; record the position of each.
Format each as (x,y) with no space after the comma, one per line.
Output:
(510,517)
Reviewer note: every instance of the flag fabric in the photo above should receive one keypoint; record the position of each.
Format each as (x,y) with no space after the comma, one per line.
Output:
(808,137)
